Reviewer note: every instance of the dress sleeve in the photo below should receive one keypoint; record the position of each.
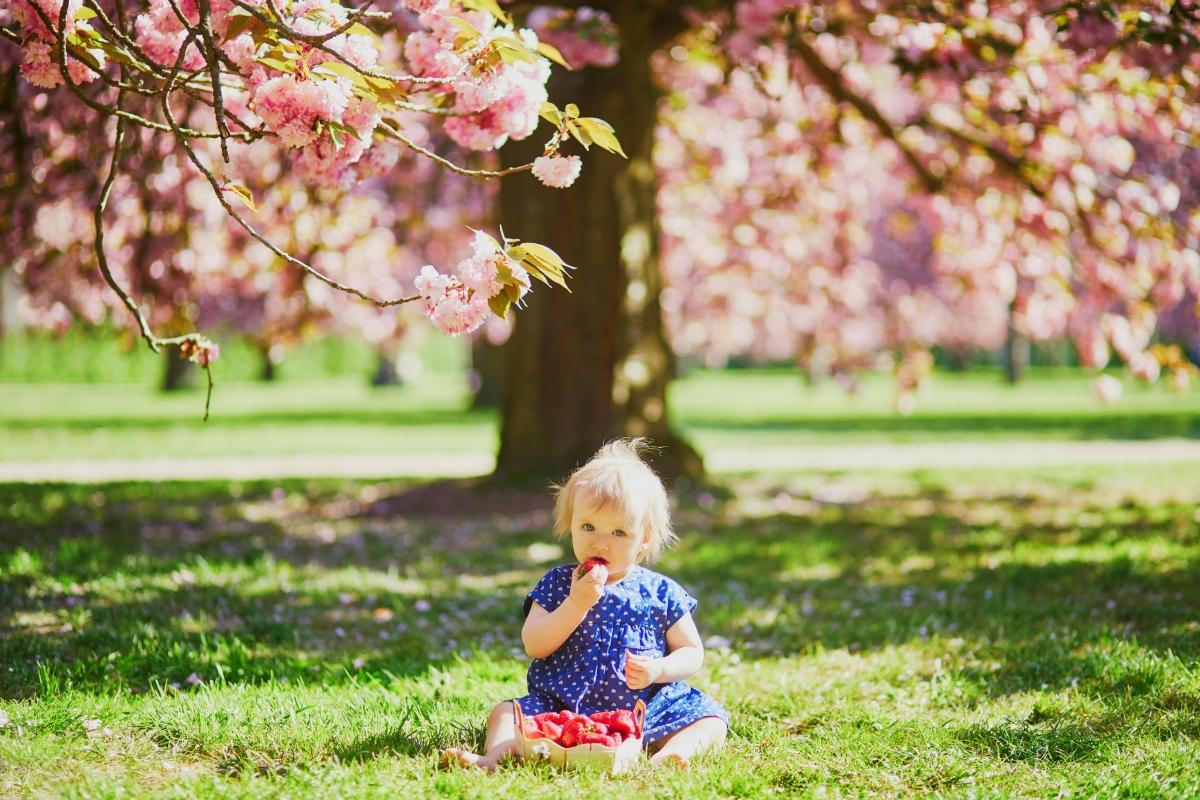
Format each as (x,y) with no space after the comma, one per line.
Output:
(677,603)
(550,591)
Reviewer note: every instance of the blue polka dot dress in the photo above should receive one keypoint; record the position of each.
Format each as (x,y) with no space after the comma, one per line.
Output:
(587,673)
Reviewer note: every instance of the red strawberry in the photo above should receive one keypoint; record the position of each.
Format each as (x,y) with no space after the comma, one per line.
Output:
(571,733)
(530,728)
(551,730)
(586,566)
(620,720)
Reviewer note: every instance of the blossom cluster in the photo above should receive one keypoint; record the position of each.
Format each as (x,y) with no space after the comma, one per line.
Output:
(493,100)
(39,64)
(557,172)
(458,303)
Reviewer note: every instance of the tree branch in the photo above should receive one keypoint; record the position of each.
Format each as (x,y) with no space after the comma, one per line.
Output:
(450,165)
(837,87)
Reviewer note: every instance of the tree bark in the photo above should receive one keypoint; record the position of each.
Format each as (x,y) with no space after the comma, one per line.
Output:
(268,371)
(1016,349)
(178,372)
(594,364)
(385,369)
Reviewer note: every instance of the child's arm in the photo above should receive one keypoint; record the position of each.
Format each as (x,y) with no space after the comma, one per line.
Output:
(545,631)
(685,655)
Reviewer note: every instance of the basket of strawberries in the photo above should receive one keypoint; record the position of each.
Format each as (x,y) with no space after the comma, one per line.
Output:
(607,740)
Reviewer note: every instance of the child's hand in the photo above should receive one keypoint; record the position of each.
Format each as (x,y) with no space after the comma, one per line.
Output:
(641,671)
(588,590)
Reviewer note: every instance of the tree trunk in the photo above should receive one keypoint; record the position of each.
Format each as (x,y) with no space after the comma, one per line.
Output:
(591,365)
(268,372)
(178,372)
(957,359)
(385,369)
(1016,349)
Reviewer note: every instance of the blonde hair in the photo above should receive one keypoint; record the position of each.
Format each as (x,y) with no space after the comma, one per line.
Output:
(617,477)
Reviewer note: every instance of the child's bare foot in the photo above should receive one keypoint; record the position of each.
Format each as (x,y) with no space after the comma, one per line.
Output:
(454,757)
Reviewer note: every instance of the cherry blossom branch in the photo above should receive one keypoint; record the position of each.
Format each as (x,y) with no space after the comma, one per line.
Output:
(60,57)
(231,211)
(155,343)
(370,73)
(836,86)
(353,20)
(450,165)
(214,71)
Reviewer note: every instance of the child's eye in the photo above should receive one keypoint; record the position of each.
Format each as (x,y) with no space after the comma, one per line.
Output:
(587,526)
(618,532)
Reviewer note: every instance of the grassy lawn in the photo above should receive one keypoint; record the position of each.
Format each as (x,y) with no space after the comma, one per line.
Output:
(981,633)
(719,410)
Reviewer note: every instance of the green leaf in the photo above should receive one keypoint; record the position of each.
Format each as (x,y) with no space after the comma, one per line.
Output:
(512,50)
(546,260)
(571,111)
(491,7)
(465,28)
(121,56)
(277,63)
(237,25)
(580,134)
(551,114)
(362,30)
(602,134)
(337,69)
(86,55)
(551,52)
(84,13)
(499,304)
(242,193)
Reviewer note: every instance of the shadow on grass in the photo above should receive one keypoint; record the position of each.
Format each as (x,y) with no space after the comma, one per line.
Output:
(1054,591)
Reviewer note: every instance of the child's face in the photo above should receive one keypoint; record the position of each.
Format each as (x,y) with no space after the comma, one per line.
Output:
(606,532)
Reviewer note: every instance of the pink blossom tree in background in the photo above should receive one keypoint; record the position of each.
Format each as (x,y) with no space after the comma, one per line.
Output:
(840,186)
(845,184)
(225,93)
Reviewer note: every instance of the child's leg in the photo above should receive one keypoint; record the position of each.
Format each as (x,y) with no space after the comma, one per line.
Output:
(678,748)
(501,741)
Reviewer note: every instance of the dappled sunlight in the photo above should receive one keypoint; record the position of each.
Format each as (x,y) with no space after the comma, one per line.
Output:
(934,629)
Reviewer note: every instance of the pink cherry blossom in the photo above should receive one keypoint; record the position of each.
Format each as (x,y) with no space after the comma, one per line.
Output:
(450,305)
(558,172)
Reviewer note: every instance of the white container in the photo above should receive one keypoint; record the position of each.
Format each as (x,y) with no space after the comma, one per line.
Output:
(583,756)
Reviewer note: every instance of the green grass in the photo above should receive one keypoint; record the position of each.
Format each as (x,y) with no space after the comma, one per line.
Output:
(743,410)
(969,633)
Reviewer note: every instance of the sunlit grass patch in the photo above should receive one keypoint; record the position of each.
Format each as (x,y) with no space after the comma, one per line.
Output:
(899,635)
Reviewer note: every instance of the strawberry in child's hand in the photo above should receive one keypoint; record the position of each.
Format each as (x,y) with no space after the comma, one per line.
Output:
(586,566)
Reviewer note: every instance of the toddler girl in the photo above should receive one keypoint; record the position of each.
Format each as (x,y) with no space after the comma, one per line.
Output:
(619,632)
